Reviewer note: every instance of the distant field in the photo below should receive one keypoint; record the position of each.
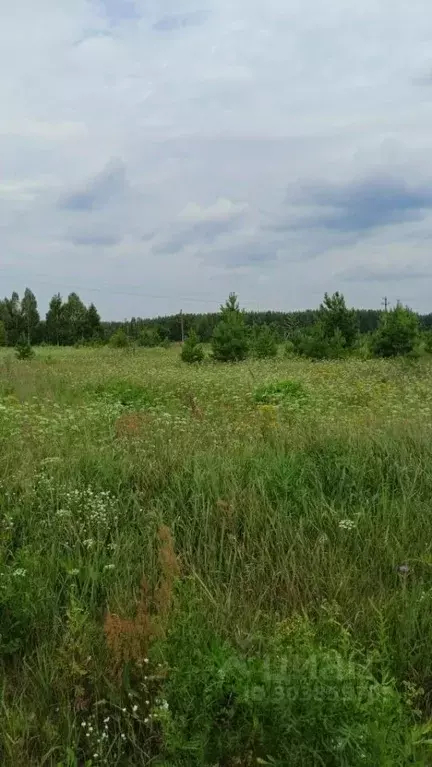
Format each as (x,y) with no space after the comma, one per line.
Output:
(178,542)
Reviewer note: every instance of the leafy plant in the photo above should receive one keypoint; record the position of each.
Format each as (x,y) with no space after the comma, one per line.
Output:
(127,393)
(282,390)
(296,702)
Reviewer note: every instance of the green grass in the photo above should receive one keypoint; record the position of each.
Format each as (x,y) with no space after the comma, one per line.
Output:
(297,629)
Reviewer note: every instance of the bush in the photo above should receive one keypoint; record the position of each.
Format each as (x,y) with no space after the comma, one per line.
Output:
(119,340)
(264,343)
(296,702)
(315,345)
(427,340)
(398,333)
(3,337)
(192,350)
(24,350)
(289,348)
(149,337)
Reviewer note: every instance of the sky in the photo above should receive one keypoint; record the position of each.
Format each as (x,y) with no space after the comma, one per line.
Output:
(157,154)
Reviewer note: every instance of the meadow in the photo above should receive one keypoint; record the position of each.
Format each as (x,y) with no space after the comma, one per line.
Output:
(222,565)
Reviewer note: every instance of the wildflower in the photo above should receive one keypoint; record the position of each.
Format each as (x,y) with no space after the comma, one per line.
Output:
(88,543)
(403,569)
(135,708)
(74,571)
(347,524)
(19,572)
(109,567)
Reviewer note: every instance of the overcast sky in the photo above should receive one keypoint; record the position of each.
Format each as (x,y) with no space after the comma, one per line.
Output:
(157,154)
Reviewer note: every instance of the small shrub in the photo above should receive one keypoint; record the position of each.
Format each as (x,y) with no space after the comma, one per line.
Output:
(283,390)
(398,333)
(427,341)
(119,340)
(192,351)
(317,346)
(24,350)
(149,338)
(264,343)
(289,349)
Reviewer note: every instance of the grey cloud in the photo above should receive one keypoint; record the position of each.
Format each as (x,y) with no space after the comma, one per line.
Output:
(383,274)
(119,10)
(364,205)
(205,231)
(247,252)
(96,240)
(107,185)
(175,21)
(200,233)
(354,209)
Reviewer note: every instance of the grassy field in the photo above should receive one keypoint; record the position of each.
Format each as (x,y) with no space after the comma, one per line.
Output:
(198,567)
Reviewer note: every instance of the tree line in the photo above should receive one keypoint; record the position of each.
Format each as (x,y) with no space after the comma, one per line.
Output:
(66,322)
(69,322)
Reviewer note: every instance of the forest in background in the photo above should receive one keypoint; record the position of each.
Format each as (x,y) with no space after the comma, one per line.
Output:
(68,322)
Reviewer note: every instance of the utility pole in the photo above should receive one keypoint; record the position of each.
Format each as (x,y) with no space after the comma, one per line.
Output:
(385,303)
(182,325)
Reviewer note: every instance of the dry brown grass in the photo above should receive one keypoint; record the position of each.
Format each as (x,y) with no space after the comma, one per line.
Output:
(129,639)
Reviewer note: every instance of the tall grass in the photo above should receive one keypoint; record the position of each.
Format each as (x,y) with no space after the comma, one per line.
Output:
(168,546)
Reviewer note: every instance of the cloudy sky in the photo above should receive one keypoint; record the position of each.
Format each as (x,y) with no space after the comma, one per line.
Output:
(157,154)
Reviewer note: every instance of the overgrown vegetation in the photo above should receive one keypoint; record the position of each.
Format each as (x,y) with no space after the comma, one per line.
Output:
(214,564)
(333,331)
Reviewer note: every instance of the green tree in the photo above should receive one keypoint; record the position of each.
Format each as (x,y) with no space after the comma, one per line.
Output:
(74,315)
(92,324)
(334,316)
(264,342)
(192,350)
(30,315)
(3,337)
(397,334)
(55,321)
(12,318)
(230,341)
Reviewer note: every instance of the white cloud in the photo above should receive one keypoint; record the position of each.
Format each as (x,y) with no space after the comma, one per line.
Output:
(216,110)
(221,210)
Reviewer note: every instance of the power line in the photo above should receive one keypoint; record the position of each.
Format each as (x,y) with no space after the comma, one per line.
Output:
(139,294)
